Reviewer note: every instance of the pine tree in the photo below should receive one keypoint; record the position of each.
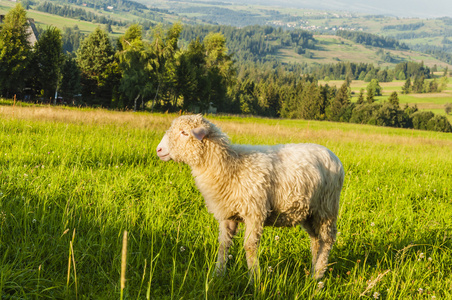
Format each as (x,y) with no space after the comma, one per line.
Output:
(361,97)
(406,88)
(370,98)
(70,79)
(340,103)
(418,84)
(394,99)
(311,104)
(48,60)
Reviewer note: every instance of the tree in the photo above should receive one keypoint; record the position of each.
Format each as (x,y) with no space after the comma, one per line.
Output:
(439,123)
(95,58)
(375,87)
(14,51)
(71,39)
(418,84)
(70,79)
(311,106)
(47,57)
(361,97)
(221,71)
(420,119)
(340,108)
(162,64)
(406,88)
(394,99)
(192,78)
(370,96)
(447,108)
(134,61)
(443,83)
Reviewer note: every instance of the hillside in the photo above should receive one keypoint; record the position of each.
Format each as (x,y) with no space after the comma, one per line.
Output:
(326,48)
(331,49)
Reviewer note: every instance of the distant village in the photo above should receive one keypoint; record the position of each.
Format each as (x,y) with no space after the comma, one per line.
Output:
(306,26)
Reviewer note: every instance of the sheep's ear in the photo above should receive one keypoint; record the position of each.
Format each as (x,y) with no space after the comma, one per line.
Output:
(199,133)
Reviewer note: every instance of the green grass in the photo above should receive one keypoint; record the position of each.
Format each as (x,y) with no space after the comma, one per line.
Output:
(85,176)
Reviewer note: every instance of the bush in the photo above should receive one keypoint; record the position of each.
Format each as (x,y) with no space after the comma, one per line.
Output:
(448,108)
(439,123)
(391,115)
(364,113)
(386,114)
(420,119)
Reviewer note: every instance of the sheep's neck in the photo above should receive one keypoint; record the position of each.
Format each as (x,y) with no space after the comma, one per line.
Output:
(217,161)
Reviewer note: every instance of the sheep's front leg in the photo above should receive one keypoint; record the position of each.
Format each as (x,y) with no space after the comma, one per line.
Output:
(228,228)
(253,234)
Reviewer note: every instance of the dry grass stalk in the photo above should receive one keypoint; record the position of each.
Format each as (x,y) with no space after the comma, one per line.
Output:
(372,283)
(123,263)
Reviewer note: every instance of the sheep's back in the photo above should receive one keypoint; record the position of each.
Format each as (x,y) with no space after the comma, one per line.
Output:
(307,179)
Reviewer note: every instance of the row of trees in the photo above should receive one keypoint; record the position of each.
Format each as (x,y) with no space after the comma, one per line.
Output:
(404,27)
(368,72)
(420,85)
(125,77)
(159,75)
(370,39)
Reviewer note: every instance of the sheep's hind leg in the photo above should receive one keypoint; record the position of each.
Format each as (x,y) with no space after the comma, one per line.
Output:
(326,238)
(228,229)
(253,234)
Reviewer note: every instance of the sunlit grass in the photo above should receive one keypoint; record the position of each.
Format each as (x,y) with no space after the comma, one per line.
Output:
(80,178)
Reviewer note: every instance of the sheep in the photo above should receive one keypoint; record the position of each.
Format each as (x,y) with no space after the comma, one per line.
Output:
(282,186)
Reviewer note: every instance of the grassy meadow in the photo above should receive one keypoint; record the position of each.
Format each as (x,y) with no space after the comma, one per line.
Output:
(73,180)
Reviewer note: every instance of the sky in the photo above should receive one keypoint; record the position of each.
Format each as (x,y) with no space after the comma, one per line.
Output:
(399,8)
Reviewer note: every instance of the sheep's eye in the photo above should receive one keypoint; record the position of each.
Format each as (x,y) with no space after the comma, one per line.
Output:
(184,133)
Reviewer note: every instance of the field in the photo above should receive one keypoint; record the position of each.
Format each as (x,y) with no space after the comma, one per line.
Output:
(72,181)
(332,49)
(434,102)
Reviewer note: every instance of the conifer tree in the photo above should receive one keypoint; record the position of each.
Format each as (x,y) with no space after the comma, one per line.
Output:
(47,59)
(311,106)
(394,99)
(361,97)
(339,105)
(70,80)
(406,88)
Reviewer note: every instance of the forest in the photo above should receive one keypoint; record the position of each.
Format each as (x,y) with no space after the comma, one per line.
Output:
(195,71)
(373,40)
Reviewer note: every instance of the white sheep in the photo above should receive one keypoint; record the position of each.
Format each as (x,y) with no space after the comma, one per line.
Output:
(282,185)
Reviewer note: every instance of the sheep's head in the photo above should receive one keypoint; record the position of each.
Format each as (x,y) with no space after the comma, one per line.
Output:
(186,139)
